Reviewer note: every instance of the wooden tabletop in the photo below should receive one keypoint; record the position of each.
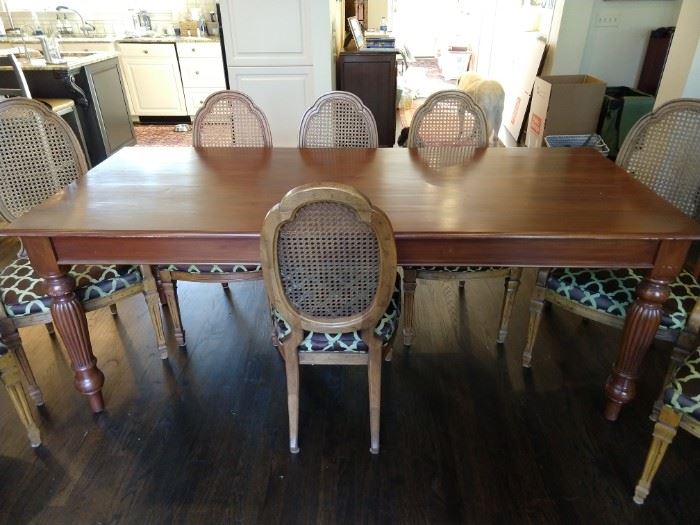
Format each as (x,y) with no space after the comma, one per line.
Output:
(519,192)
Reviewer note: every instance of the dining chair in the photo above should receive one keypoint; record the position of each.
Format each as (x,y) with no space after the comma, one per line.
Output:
(451,119)
(661,151)
(10,376)
(681,408)
(39,157)
(338,119)
(227,119)
(64,107)
(329,262)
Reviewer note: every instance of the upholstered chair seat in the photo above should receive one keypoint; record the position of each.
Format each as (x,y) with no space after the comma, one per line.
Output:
(683,392)
(346,341)
(612,291)
(22,290)
(210,268)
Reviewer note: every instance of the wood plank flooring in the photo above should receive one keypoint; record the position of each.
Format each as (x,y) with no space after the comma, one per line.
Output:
(467,435)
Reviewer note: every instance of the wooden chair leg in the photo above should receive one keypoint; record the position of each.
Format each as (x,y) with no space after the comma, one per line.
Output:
(113,309)
(684,345)
(155,311)
(224,286)
(50,329)
(409,289)
(512,284)
(374,374)
(170,289)
(536,305)
(10,377)
(159,285)
(388,353)
(664,432)
(461,285)
(10,337)
(291,365)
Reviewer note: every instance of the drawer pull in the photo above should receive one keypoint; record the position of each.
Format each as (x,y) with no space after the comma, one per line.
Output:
(145,51)
(193,50)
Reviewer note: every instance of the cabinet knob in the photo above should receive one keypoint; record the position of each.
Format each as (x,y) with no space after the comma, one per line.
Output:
(193,50)
(196,72)
(145,51)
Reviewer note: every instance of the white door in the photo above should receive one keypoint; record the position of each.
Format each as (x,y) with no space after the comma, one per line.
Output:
(155,87)
(283,93)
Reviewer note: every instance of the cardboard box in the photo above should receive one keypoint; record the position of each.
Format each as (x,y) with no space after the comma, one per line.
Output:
(564,105)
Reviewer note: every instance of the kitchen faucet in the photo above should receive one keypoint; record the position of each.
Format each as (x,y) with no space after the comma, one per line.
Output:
(85,26)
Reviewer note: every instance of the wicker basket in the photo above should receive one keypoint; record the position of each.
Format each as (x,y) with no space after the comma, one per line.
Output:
(591,140)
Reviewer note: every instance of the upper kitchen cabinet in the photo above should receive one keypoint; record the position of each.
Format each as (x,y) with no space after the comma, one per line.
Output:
(282,54)
(267,32)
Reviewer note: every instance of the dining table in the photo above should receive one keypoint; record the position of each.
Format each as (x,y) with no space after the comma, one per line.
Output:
(524,207)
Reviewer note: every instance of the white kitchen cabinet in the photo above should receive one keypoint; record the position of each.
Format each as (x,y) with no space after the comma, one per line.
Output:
(86,47)
(202,72)
(152,76)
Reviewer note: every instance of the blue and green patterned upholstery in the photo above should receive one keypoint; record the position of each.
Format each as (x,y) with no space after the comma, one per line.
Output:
(455,269)
(613,291)
(211,268)
(683,392)
(22,291)
(347,341)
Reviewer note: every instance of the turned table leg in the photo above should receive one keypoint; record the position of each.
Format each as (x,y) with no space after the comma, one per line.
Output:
(641,324)
(69,319)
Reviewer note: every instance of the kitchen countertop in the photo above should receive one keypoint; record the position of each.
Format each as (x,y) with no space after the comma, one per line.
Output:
(73,61)
(166,39)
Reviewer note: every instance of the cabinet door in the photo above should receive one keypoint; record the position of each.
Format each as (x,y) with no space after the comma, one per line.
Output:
(283,93)
(154,86)
(267,32)
(202,72)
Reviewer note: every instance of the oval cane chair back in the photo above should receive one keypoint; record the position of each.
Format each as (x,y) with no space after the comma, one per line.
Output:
(662,150)
(338,120)
(448,118)
(328,258)
(39,156)
(230,119)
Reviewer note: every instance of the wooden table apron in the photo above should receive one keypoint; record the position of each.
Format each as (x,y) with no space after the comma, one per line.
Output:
(512,207)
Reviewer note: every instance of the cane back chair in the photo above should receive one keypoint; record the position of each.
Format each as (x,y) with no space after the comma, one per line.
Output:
(39,156)
(681,407)
(10,376)
(661,151)
(451,119)
(338,119)
(329,262)
(64,107)
(227,119)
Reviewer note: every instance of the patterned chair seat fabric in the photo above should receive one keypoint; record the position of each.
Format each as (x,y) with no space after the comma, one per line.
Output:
(211,268)
(347,341)
(22,291)
(683,392)
(613,291)
(455,269)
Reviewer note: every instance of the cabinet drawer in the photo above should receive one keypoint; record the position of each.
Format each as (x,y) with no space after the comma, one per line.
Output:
(202,72)
(147,50)
(185,50)
(86,47)
(195,97)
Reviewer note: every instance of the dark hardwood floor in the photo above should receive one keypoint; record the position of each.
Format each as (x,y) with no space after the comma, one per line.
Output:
(467,435)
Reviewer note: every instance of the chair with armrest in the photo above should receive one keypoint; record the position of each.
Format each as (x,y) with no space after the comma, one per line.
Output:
(451,119)
(338,119)
(64,107)
(227,119)
(661,151)
(39,156)
(329,262)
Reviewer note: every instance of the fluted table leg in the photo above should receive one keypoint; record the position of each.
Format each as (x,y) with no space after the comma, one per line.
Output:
(69,319)
(641,324)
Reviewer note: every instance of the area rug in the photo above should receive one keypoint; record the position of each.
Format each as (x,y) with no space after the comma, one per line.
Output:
(161,135)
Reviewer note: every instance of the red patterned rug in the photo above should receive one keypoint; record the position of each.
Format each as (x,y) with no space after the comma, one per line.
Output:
(161,135)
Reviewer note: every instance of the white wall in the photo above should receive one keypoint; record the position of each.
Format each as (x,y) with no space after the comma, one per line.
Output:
(613,54)
(376,9)
(682,72)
